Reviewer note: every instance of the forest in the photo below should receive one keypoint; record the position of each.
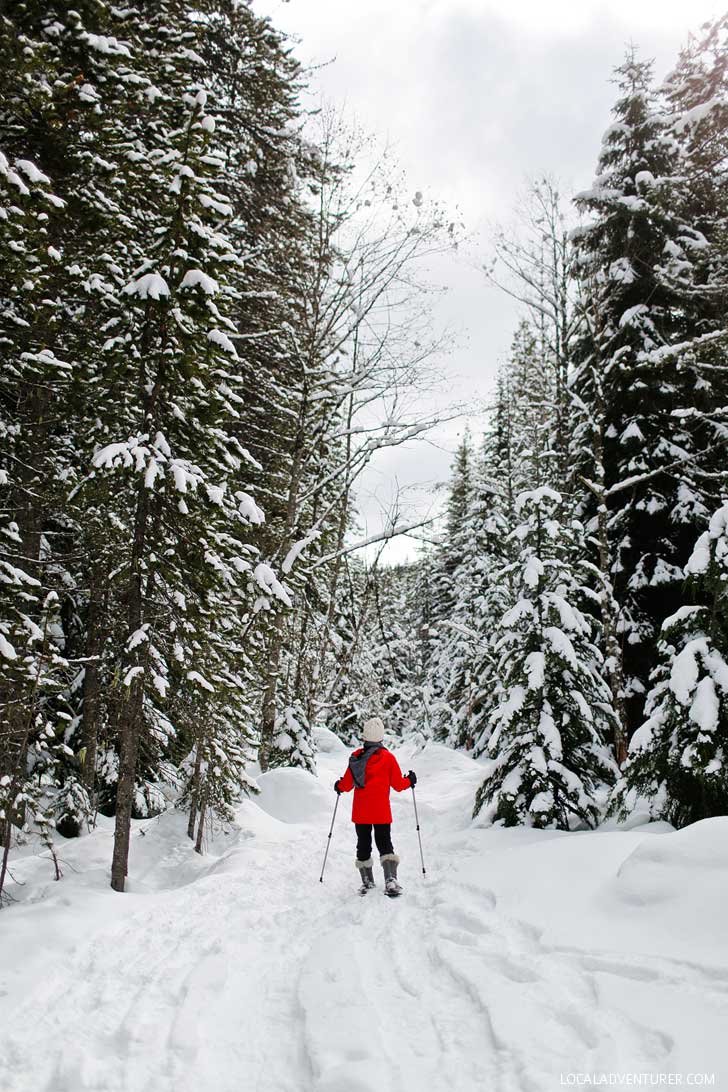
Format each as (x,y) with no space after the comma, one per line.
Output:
(215,314)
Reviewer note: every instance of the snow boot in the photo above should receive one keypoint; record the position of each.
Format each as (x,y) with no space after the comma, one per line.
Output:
(366,872)
(389,864)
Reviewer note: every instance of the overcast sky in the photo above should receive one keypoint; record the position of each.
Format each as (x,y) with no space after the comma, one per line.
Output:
(476,97)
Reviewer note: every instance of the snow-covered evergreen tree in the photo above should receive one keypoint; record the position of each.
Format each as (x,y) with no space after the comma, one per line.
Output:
(519,451)
(548,746)
(34,451)
(143,281)
(291,743)
(452,655)
(396,648)
(635,259)
(492,521)
(678,759)
(383,648)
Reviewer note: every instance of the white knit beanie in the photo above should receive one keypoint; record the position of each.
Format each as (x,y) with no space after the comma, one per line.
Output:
(373,730)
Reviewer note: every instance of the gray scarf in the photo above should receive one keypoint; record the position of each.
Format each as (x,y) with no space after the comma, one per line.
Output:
(358,763)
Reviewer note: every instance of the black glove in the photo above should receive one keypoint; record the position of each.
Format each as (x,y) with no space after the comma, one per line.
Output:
(412,778)
(336,787)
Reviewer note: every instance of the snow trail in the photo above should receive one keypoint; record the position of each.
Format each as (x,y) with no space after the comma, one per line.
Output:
(521,956)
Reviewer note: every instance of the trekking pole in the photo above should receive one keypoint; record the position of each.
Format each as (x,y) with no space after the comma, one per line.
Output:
(328,842)
(417,821)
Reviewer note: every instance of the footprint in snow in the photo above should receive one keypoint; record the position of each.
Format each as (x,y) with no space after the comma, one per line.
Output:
(462,919)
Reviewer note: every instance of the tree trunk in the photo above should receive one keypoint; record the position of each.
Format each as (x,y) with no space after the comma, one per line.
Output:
(91,689)
(335,573)
(7,832)
(129,751)
(195,790)
(201,823)
(271,688)
(20,761)
(131,718)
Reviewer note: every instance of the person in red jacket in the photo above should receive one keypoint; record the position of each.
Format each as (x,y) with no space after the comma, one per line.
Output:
(372,771)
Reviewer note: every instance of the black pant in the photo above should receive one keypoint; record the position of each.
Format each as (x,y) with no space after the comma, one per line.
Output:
(382,836)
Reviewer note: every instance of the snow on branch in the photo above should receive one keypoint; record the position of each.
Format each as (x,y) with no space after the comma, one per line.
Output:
(297,549)
(151,286)
(392,532)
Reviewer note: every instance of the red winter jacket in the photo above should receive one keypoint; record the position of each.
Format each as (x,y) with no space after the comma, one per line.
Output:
(371,804)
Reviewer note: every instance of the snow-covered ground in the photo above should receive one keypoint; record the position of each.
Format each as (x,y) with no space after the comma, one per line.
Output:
(524,961)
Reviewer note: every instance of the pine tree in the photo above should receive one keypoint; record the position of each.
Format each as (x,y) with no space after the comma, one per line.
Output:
(453,601)
(588,469)
(534,266)
(696,268)
(640,318)
(34,452)
(395,657)
(550,759)
(519,451)
(379,667)
(678,757)
(492,521)
(533,411)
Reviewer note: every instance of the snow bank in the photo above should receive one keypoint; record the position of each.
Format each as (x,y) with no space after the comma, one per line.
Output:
(328,743)
(673,890)
(294,796)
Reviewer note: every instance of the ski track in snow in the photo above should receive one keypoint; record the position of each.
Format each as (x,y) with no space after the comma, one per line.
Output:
(249,974)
